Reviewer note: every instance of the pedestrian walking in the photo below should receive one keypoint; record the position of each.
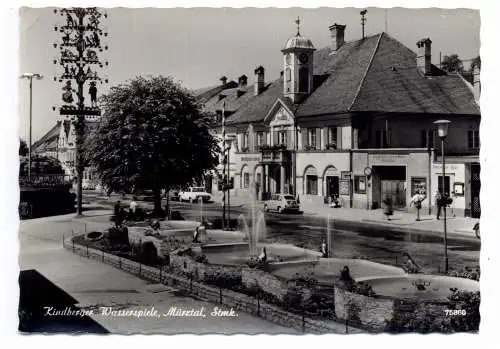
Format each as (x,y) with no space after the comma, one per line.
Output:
(439,203)
(416,201)
(388,210)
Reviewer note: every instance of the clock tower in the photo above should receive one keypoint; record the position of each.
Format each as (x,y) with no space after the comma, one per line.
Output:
(298,55)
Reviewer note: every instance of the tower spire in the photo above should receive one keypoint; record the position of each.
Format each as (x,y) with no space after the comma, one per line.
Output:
(297,21)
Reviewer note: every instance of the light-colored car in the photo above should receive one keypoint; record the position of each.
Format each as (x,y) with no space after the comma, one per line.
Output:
(282,203)
(194,194)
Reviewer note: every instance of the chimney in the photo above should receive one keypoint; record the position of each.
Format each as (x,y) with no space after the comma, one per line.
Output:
(242,81)
(259,80)
(476,82)
(424,56)
(223,80)
(337,35)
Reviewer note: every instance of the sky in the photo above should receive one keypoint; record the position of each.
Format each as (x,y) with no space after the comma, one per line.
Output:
(198,46)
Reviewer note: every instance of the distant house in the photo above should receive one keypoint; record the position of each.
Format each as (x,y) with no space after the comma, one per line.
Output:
(59,142)
(355,120)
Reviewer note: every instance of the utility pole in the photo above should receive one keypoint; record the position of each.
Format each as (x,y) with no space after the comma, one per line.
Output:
(78,50)
(224,181)
(30,77)
(363,21)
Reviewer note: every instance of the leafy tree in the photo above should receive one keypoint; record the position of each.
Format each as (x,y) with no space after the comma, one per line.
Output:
(475,62)
(452,64)
(153,136)
(23,147)
(40,165)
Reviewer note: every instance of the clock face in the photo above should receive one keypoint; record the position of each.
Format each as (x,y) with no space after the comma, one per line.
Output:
(303,58)
(288,59)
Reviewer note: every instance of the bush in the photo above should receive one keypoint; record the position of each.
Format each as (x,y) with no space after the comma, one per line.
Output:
(118,236)
(470,302)
(201,259)
(362,289)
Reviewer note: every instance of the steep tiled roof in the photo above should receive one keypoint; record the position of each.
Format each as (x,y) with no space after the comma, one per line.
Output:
(203,95)
(345,70)
(394,84)
(376,74)
(48,138)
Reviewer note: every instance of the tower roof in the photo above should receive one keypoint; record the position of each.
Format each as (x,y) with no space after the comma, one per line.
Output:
(298,41)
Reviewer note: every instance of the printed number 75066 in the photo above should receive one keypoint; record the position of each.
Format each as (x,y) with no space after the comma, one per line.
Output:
(454,312)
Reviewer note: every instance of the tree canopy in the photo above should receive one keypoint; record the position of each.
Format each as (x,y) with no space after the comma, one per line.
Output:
(153,135)
(475,62)
(452,64)
(40,165)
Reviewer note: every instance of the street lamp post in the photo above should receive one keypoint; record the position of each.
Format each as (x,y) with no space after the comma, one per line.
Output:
(30,76)
(228,184)
(442,128)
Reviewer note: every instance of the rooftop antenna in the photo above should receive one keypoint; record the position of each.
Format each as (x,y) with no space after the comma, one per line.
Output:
(363,21)
(297,21)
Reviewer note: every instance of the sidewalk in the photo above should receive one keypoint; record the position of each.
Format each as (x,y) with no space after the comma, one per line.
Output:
(401,220)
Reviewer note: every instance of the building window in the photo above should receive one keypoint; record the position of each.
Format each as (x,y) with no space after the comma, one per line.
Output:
(311,138)
(332,138)
(244,145)
(427,139)
(303,80)
(446,184)
(246,180)
(282,139)
(473,139)
(260,138)
(382,138)
(288,74)
(311,185)
(360,184)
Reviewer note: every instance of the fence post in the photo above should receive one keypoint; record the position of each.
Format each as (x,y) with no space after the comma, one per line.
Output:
(258,305)
(303,319)
(73,241)
(161,267)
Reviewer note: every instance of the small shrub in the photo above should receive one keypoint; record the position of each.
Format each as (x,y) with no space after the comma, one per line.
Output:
(201,259)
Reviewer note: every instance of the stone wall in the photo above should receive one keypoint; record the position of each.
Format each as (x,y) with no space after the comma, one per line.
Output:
(188,266)
(264,280)
(363,311)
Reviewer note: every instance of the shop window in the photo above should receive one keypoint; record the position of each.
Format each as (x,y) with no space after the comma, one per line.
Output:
(360,184)
(473,139)
(446,184)
(418,184)
(311,185)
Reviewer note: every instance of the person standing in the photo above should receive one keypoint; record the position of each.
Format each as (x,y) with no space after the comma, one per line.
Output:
(388,210)
(416,201)
(439,203)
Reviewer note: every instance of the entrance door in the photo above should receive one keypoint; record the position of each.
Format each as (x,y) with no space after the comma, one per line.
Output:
(475,188)
(332,186)
(395,189)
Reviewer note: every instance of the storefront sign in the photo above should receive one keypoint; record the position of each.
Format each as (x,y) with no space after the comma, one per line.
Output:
(448,167)
(458,189)
(418,184)
(344,187)
(388,158)
(250,158)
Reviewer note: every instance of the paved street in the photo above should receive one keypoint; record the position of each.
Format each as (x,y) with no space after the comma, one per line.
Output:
(350,238)
(94,284)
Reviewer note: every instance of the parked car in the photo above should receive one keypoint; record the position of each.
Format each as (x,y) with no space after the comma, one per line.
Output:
(194,194)
(173,195)
(282,203)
